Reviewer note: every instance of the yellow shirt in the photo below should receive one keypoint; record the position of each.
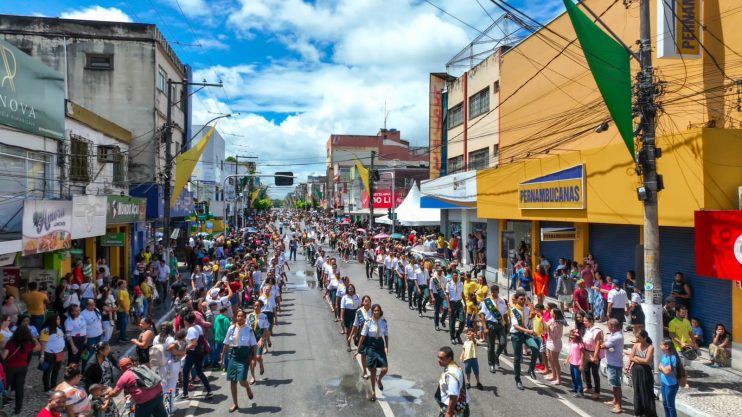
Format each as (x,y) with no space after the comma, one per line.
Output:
(441,243)
(123,301)
(470,350)
(482,292)
(36,302)
(681,329)
(147,256)
(471,308)
(146,291)
(470,287)
(538,325)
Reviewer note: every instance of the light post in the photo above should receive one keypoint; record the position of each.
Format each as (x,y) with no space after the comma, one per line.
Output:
(394,196)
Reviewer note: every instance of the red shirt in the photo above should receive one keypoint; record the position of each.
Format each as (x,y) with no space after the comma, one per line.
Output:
(128,383)
(18,358)
(580,297)
(235,286)
(46,413)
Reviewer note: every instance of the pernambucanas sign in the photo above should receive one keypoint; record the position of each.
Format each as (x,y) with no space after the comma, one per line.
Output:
(679,28)
(563,189)
(31,94)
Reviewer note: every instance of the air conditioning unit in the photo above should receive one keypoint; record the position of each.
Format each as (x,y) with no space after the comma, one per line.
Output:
(107,154)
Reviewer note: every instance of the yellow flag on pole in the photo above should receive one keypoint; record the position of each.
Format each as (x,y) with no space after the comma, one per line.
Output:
(362,172)
(186,162)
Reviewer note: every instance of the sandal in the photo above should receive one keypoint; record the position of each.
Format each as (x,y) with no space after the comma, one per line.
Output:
(233,408)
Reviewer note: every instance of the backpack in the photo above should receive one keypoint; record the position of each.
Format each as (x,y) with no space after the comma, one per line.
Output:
(157,355)
(146,377)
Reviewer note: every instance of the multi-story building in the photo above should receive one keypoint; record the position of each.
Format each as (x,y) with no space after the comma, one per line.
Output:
(119,70)
(548,130)
(344,189)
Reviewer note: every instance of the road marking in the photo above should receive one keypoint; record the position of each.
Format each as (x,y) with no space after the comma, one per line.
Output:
(380,399)
(561,398)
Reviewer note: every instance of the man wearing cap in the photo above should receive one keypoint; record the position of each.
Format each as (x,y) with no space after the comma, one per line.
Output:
(148,400)
(617,300)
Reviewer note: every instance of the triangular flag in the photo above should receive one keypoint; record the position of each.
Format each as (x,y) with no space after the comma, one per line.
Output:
(185,164)
(609,63)
(362,172)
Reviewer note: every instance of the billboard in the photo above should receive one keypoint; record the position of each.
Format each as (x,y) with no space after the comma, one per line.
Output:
(31,94)
(563,189)
(88,216)
(47,226)
(383,199)
(679,28)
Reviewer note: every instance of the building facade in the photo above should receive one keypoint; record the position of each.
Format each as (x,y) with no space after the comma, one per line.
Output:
(563,183)
(344,188)
(120,70)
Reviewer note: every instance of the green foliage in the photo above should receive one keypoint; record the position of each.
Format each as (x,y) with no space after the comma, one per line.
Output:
(263,204)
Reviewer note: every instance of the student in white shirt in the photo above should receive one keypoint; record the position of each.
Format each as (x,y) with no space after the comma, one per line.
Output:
(349,304)
(454,294)
(375,335)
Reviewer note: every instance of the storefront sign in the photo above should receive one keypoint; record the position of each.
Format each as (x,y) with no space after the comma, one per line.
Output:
(559,190)
(551,234)
(47,226)
(31,94)
(7,259)
(435,130)
(113,239)
(719,243)
(46,278)
(383,198)
(88,216)
(125,210)
(12,276)
(679,28)
(454,191)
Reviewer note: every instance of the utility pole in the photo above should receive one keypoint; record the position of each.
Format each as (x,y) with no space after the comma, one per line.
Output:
(371,193)
(647,163)
(167,186)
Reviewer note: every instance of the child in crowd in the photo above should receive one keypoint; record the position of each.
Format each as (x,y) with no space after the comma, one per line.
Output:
(138,304)
(98,402)
(469,357)
(540,328)
(472,308)
(696,330)
(574,359)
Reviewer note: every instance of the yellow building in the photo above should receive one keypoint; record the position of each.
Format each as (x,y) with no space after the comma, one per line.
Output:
(563,189)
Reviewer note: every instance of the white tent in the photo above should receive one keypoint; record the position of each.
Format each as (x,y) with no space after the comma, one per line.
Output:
(409,212)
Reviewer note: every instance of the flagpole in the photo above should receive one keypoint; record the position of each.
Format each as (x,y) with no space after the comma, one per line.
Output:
(647,165)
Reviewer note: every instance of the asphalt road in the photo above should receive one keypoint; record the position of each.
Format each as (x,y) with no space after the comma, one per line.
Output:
(309,372)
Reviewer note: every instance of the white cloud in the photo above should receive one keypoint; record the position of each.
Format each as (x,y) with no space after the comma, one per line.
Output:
(191,8)
(353,56)
(100,13)
(211,44)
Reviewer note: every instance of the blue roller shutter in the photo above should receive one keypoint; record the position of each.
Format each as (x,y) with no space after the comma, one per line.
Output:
(555,250)
(613,247)
(712,297)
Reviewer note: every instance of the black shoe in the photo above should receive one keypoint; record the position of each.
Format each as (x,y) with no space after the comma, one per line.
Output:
(453,341)
(492,369)
(443,324)
(458,339)
(437,328)
(468,385)
(532,374)
(420,314)
(209,395)
(480,386)
(519,386)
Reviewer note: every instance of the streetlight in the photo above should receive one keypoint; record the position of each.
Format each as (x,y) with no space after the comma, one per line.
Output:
(394,197)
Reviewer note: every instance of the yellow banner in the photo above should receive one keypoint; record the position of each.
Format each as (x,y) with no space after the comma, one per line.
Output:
(362,172)
(185,163)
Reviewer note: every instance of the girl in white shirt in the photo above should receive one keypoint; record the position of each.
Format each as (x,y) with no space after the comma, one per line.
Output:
(349,304)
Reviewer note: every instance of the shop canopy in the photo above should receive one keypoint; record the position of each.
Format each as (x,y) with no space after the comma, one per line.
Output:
(409,212)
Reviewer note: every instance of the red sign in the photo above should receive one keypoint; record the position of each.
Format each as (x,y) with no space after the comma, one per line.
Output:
(719,244)
(12,276)
(383,199)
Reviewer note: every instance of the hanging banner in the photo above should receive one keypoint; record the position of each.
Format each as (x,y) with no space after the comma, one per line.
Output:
(719,244)
(113,240)
(47,226)
(435,129)
(88,216)
(12,276)
(383,199)
(679,28)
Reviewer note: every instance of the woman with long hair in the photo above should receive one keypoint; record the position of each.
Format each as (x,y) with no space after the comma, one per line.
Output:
(720,348)
(77,399)
(100,370)
(593,341)
(555,329)
(540,283)
(671,372)
(16,357)
(169,370)
(52,349)
(349,304)
(375,334)
(75,330)
(145,339)
(641,360)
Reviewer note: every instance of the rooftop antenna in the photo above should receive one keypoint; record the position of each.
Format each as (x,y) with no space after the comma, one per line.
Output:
(386,114)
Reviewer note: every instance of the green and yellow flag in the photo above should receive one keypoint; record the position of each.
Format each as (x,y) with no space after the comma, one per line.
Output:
(362,172)
(185,164)
(610,64)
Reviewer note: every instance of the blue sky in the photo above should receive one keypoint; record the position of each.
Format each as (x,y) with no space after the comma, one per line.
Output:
(300,70)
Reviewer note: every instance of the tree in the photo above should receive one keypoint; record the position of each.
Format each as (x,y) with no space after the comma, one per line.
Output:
(230,159)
